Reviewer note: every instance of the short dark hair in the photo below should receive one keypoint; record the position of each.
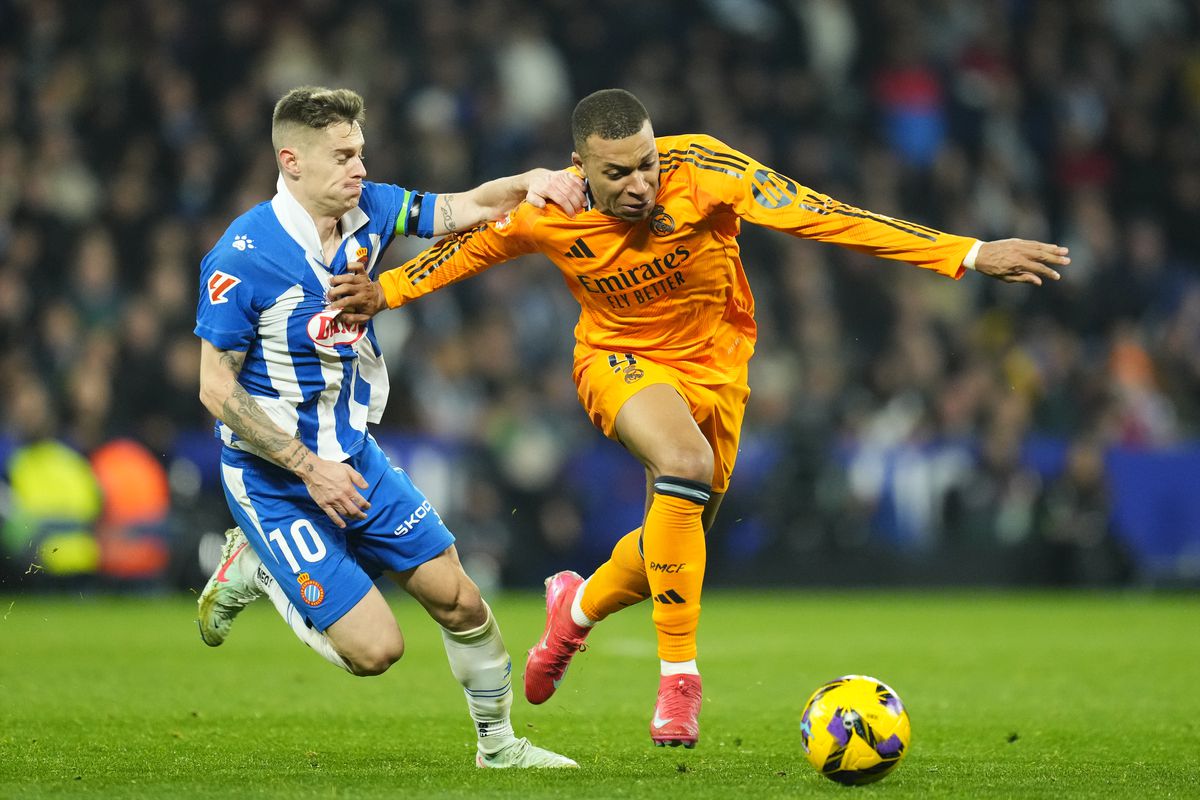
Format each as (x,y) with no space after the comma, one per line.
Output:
(609,114)
(317,108)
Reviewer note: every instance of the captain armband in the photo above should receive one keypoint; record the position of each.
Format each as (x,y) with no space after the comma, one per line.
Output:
(416,215)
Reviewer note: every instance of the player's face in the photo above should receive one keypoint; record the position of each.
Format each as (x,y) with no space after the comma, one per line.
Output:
(332,169)
(622,173)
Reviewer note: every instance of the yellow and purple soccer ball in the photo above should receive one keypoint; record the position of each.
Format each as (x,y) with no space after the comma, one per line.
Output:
(855,729)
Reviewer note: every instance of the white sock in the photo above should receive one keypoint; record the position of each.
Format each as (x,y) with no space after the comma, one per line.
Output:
(312,637)
(679,667)
(581,619)
(479,659)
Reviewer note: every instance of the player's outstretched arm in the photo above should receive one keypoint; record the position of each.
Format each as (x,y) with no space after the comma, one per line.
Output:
(763,196)
(1021,260)
(494,199)
(453,259)
(331,484)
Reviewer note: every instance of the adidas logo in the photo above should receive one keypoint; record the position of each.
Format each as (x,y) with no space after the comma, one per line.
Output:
(669,597)
(580,250)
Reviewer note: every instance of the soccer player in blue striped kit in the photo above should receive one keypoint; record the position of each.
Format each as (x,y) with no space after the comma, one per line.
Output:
(324,513)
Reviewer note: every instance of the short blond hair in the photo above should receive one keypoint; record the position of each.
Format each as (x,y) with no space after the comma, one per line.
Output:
(314,108)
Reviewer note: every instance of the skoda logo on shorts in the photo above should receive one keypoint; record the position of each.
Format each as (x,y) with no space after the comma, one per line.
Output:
(419,513)
(661,223)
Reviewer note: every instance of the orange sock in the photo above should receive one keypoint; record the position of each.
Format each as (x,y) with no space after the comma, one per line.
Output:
(673,543)
(618,582)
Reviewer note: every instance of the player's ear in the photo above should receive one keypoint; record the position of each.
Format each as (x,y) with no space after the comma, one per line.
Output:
(577,160)
(289,161)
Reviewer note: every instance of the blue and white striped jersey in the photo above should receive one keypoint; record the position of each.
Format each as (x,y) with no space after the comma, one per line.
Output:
(263,292)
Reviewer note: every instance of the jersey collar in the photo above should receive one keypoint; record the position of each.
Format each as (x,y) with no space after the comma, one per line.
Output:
(300,226)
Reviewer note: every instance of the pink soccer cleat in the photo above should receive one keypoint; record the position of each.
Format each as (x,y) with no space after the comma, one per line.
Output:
(677,714)
(548,660)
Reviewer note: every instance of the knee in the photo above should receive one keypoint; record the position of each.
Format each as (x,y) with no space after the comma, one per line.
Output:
(375,660)
(464,611)
(692,461)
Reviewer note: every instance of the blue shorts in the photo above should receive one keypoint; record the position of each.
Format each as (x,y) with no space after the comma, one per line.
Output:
(323,569)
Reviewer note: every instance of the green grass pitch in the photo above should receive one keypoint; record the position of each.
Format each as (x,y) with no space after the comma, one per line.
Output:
(1011,696)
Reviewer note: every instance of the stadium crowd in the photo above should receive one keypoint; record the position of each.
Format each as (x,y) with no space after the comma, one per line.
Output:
(131,132)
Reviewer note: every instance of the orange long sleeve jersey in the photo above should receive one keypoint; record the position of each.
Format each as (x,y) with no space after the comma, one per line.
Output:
(672,287)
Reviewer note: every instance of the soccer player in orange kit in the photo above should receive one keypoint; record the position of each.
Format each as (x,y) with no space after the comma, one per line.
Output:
(665,333)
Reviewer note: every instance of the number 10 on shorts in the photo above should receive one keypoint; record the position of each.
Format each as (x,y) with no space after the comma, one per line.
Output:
(306,539)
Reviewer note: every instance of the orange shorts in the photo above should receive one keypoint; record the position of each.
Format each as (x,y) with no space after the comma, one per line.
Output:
(717,399)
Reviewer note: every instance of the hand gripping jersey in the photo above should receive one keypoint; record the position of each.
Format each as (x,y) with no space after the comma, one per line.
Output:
(262,292)
(672,287)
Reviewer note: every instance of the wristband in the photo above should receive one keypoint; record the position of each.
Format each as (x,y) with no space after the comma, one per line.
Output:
(969,258)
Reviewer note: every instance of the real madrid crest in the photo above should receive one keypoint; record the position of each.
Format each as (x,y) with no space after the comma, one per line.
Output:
(661,223)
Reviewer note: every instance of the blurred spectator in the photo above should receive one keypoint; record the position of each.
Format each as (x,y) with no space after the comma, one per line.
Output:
(911,99)
(131,530)
(1141,414)
(996,502)
(54,503)
(1077,544)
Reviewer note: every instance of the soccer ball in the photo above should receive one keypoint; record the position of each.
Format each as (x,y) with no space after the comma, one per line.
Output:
(855,729)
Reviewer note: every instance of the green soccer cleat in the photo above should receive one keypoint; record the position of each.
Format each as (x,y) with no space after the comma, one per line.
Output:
(230,589)
(524,755)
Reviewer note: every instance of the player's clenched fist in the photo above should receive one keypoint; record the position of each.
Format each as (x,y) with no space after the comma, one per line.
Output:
(356,295)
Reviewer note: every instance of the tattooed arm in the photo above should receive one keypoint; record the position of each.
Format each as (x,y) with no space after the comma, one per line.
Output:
(331,484)
(494,199)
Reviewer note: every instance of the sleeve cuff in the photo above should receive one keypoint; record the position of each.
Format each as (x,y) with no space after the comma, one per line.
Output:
(390,295)
(425,221)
